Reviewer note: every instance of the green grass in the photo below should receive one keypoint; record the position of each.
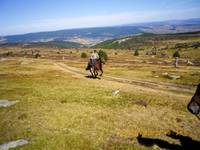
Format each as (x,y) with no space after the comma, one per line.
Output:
(58,110)
(189,75)
(149,41)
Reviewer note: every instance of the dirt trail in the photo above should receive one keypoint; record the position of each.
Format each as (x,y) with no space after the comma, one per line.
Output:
(175,88)
(70,70)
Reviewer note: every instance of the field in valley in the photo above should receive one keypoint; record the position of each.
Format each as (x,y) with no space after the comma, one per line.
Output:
(59,107)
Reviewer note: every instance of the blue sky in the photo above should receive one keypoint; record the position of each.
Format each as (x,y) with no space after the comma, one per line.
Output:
(24,16)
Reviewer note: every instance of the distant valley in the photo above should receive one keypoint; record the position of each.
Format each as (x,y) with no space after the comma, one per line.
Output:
(88,37)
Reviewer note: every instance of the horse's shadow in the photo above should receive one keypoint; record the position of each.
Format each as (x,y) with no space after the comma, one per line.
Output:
(91,77)
(186,142)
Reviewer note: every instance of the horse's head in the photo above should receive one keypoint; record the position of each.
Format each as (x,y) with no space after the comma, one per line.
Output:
(102,60)
(194,104)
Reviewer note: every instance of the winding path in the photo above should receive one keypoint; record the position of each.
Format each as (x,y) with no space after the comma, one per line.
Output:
(149,84)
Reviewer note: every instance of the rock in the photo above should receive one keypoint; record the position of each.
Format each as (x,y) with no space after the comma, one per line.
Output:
(170,76)
(3,59)
(24,63)
(6,103)
(13,144)
(159,62)
(173,77)
(190,63)
(115,92)
(165,74)
(156,147)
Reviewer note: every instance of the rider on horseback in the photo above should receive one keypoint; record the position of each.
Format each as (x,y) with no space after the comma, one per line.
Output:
(94,57)
(95,64)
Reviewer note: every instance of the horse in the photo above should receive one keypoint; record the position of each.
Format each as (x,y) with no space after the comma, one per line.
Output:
(194,104)
(94,69)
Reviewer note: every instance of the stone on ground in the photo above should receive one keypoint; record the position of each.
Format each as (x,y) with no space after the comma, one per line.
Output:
(115,92)
(174,77)
(6,103)
(13,144)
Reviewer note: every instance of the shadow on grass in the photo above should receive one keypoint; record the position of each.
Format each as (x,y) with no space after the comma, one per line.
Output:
(91,77)
(186,142)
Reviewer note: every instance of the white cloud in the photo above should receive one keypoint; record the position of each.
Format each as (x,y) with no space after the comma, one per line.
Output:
(101,20)
(93,21)
(80,22)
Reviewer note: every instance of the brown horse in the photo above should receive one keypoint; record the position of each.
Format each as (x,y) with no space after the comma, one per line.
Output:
(194,104)
(94,69)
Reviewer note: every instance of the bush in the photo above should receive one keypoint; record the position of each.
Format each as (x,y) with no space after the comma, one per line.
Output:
(195,45)
(103,55)
(176,54)
(9,53)
(136,53)
(83,55)
(37,55)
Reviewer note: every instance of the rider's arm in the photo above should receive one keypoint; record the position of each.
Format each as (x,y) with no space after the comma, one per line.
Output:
(97,56)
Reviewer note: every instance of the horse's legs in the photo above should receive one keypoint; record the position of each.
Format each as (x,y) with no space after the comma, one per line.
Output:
(101,72)
(91,72)
(95,72)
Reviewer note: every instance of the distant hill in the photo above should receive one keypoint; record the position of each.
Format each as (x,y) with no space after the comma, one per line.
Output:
(51,44)
(87,35)
(92,36)
(172,26)
(55,44)
(150,40)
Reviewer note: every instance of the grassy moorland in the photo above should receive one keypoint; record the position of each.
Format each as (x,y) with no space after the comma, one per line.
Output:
(145,40)
(60,108)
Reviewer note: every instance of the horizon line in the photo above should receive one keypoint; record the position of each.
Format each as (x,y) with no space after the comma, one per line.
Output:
(89,27)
